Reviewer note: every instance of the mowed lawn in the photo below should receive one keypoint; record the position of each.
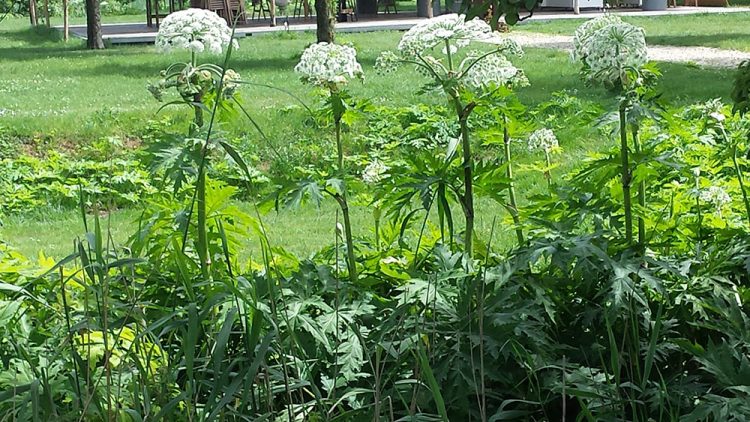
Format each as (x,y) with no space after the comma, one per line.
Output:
(64,91)
(53,93)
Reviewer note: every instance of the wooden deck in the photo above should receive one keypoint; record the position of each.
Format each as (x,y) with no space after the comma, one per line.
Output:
(139,33)
(134,33)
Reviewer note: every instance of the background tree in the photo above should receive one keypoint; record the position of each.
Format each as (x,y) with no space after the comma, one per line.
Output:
(32,13)
(492,10)
(325,19)
(93,25)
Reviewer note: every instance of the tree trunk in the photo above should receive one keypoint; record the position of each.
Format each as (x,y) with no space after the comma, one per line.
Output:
(272,10)
(325,20)
(66,23)
(93,25)
(32,13)
(46,13)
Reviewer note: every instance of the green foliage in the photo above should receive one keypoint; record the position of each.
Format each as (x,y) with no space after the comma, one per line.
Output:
(575,317)
(741,89)
(572,324)
(59,180)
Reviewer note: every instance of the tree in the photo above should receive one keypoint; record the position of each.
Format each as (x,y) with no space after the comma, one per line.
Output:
(32,13)
(325,20)
(493,10)
(93,25)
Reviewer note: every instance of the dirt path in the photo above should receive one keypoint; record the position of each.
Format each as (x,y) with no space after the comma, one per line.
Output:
(702,56)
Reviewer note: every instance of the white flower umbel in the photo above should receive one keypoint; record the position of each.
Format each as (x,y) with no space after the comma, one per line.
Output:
(195,30)
(711,111)
(493,71)
(432,46)
(613,50)
(329,65)
(375,172)
(585,32)
(543,140)
(452,28)
(715,196)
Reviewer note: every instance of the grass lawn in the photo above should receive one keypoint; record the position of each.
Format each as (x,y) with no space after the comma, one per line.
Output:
(302,231)
(53,92)
(726,30)
(48,89)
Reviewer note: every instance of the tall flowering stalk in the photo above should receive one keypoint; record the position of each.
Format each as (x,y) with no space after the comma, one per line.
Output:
(478,72)
(641,188)
(545,140)
(330,67)
(513,202)
(374,173)
(612,53)
(196,31)
(715,196)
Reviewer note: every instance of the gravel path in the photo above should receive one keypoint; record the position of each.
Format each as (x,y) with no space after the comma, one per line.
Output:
(702,56)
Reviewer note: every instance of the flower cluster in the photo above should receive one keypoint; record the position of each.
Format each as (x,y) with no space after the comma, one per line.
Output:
(716,196)
(452,28)
(544,140)
(609,48)
(478,71)
(329,65)
(584,34)
(194,82)
(196,30)
(230,82)
(613,50)
(387,62)
(375,172)
(493,71)
(189,83)
(711,111)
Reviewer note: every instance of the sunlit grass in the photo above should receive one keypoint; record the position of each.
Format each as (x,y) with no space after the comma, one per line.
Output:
(48,89)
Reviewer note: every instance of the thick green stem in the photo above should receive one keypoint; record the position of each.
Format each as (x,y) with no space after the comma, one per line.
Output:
(641,193)
(741,181)
(700,217)
(448,53)
(625,178)
(200,196)
(202,233)
(376,215)
(339,146)
(511,186)
(468,165)
(547,171)
(351,261)
(198,120)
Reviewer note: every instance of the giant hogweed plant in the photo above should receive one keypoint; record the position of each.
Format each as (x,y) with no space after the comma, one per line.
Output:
(544,140)
(569,325)
(437,49)
(199,86)
(614,55)
(329,67)
(732,140)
